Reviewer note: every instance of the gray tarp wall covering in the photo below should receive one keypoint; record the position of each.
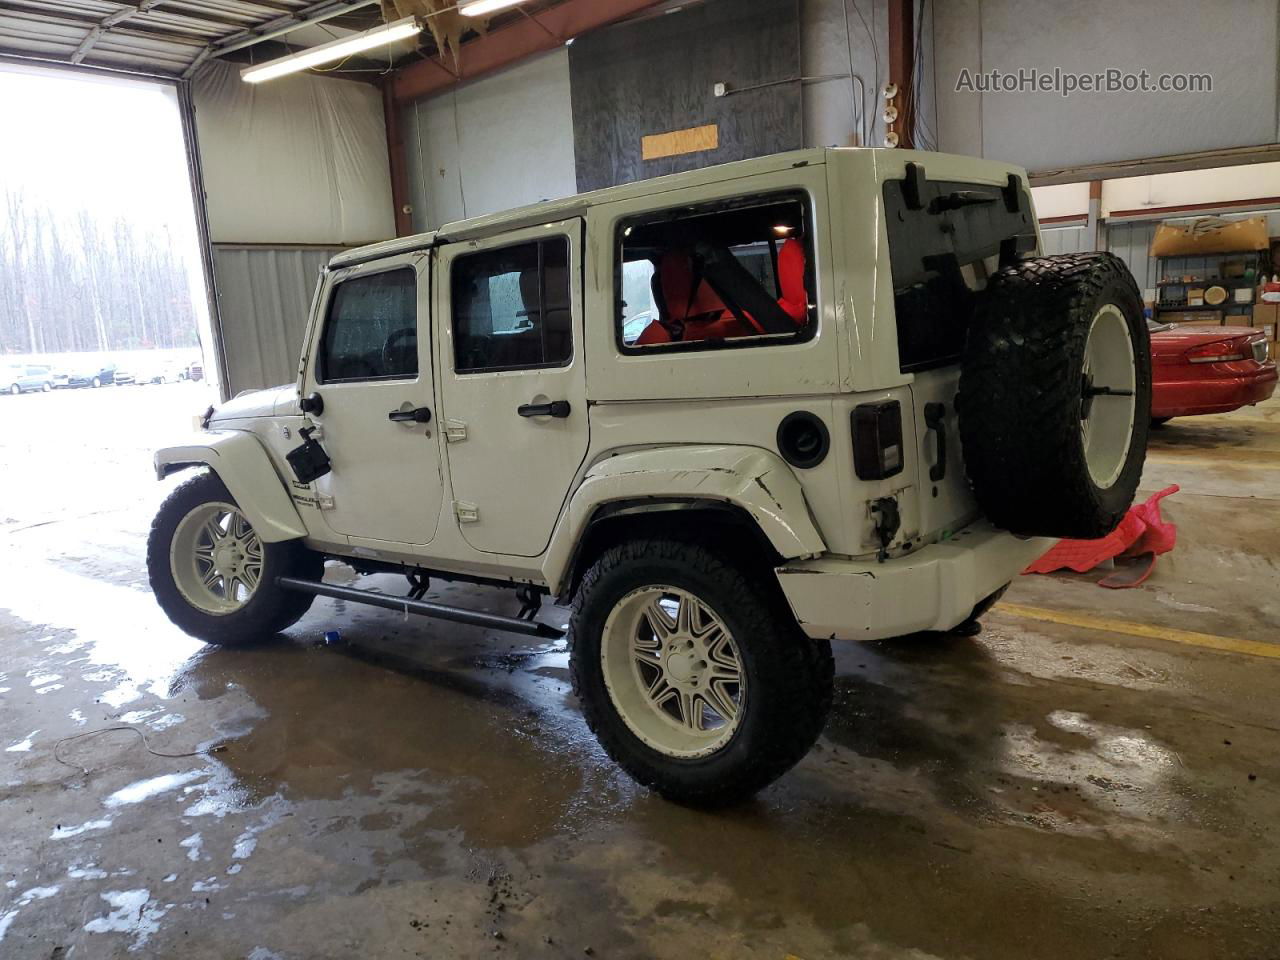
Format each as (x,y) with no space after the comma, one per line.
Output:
(1233,42)
(264,295)
(494,143)
(294,169)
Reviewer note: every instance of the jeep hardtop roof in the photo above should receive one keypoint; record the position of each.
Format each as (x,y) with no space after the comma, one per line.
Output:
(567,207)
(477,228)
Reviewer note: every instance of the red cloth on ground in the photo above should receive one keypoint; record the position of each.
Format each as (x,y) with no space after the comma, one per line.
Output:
(1141,531)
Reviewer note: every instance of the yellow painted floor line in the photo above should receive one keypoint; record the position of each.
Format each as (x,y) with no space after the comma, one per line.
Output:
(1253,458)
(1211,641)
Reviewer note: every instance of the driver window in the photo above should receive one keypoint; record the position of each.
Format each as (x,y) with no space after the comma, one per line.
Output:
(371,332)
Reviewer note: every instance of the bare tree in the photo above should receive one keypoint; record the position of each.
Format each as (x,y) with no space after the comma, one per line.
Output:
(69,284)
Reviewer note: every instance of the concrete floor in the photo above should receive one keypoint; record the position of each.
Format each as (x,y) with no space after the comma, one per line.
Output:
(1044,790)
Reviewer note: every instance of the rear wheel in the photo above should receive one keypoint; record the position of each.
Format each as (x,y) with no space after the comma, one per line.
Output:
(213,575)
(46,387)
(95,382)
(693,673)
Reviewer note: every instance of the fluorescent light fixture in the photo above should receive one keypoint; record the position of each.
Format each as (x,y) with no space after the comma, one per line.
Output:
(478,8)
(335,50)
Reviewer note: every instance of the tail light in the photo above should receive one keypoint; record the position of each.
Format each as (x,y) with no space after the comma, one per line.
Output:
(1222,351)
(877,439)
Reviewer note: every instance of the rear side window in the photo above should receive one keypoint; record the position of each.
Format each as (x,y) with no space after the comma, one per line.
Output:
(371,331)
(730,274)
(943,244)
(512,309)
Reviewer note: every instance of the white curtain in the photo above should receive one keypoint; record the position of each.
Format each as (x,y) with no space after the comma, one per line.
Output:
(296,160)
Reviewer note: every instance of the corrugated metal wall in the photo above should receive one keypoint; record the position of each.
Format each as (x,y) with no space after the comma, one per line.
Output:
(1131,242)
(264,294)
(1064,240)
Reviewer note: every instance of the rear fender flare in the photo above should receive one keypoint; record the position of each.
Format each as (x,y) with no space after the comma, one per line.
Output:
(243,465)
(750,479)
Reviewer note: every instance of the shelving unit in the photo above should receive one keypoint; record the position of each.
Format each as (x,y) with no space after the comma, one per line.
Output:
(1206,271)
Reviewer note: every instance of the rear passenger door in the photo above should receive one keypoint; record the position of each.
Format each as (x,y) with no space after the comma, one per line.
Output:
(512,382)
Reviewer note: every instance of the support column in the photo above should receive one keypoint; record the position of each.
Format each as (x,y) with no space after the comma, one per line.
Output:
(1093,228)
(399,164)
(902,68)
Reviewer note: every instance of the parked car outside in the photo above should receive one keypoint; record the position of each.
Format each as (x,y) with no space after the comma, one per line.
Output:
(27,378)
(1202,369)
(194,371)
(94,376)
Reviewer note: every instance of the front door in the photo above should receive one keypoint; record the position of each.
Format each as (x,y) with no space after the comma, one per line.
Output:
(373,373)
(513,387)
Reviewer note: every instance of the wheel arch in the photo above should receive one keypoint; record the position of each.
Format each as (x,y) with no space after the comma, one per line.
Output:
(747,492)
(244,467)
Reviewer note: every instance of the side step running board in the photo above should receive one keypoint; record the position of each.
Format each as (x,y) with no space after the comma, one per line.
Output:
(472,618)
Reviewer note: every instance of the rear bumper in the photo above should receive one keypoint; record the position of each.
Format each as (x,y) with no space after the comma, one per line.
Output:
(1186,398)
(934,588)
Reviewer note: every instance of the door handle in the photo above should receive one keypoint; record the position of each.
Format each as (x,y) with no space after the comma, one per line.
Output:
(935,419)
(420,415)
(556,408)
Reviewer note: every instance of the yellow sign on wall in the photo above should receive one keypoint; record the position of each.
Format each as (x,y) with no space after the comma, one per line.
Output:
(679,142)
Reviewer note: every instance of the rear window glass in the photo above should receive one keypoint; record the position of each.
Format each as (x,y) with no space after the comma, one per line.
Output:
(734,273)
(941,251)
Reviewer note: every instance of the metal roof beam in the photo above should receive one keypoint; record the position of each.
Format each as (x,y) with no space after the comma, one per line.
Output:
(507,44)
(94,35)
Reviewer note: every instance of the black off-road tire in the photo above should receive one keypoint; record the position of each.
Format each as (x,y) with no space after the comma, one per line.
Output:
(788,676)
(269,611)
(1020,395)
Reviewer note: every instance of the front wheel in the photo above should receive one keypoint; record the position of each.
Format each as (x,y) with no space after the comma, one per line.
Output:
(96,382)
(693,673)
(213,575)
(14,389)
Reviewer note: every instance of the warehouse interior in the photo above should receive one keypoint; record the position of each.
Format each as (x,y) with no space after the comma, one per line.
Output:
(1087,772)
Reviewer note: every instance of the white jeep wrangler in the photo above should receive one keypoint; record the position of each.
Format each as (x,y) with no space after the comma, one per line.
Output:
(729,415)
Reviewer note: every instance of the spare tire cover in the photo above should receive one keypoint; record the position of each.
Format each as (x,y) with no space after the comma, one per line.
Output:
(1055,395)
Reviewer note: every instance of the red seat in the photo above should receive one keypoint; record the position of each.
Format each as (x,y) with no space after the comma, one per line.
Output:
(791,268)
(690,314)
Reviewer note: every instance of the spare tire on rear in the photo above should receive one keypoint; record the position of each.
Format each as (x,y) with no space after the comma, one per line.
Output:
(1055,395)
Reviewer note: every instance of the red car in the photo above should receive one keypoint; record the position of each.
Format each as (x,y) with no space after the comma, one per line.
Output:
(1198,370)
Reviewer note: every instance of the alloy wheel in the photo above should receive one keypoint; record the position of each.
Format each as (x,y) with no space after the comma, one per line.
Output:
(216,558)
(673,671)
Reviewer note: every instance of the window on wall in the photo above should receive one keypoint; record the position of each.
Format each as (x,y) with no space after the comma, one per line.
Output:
(371,331)
(737,273)
(511,308)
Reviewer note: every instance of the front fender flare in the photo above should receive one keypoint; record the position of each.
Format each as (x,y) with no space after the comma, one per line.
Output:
(242,464)
(749,478)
